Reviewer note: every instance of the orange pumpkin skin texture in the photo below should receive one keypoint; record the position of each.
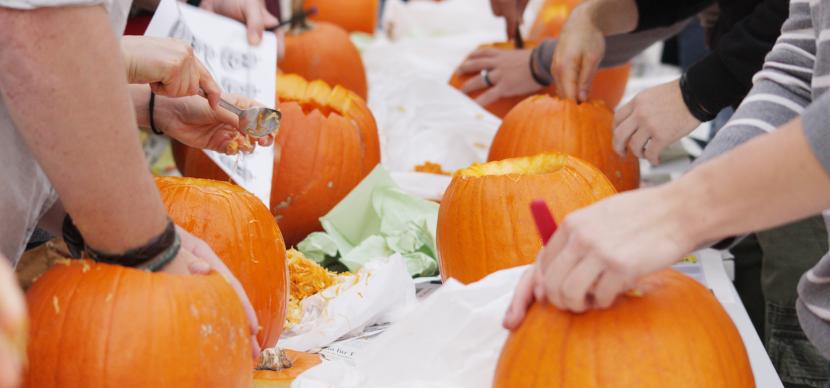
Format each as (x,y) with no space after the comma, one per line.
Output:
(551,18)
(484,222)
(100,325)
(242,232)
(327,142)
(351,15)
(544,124)
(609,85)
(300,362)
(324,51)
(675,335)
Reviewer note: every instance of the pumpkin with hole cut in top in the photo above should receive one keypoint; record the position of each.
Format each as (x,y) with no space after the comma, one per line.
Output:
(323,51)
(550,124)
(102,325)
(242,232)
(672,333)
(327,143)
(485,223)
(608,85)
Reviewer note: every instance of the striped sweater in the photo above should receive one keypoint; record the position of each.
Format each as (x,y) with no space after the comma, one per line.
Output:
(793,82)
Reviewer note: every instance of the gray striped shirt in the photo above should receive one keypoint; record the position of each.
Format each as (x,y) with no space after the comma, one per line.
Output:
(793,83)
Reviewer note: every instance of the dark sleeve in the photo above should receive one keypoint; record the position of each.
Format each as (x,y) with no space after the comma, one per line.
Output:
(724,77)
(662,13)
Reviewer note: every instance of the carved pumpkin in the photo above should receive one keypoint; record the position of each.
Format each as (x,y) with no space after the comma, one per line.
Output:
(485,224)
(103,325)
(300,362)
(352,15)
(672,334)
(609,84)
(543,124)
(327,143)
(323,51)
(242,232)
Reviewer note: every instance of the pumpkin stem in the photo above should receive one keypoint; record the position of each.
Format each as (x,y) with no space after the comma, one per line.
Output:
(273,359)
(298,16)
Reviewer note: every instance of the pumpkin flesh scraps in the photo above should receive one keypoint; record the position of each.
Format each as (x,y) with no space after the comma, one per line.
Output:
(282,378)
(307,279)
(431,168)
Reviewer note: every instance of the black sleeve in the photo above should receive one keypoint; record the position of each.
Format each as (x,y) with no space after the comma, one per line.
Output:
(663,13)
(724,77)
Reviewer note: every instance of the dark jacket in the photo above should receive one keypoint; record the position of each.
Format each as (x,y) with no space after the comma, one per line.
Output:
(745,32)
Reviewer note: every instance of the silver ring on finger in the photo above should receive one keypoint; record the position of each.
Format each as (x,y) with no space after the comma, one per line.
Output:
(485,76)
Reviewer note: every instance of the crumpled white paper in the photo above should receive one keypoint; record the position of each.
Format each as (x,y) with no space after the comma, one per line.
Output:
(451,340)
(382,291)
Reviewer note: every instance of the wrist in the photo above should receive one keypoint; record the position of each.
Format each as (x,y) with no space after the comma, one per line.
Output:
(697,214)
(141,99)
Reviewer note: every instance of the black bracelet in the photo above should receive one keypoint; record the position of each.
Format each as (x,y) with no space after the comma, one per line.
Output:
(73,238)
(153,255)
(695,108)
(194,3)
(544,79)
(152,116)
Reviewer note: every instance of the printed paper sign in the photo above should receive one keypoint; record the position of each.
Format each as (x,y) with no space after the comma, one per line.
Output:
(222,45)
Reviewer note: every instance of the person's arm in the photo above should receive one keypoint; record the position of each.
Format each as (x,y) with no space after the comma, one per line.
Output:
(781,91)
(65,88)
(581,44)
(601,251)
(724,76)
(660,13)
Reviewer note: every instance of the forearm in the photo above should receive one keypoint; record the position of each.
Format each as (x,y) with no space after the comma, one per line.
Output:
(66,59)
(619,49)
(768,181)
(609,16)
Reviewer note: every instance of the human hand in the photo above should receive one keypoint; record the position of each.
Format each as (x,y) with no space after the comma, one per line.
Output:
(512,11)
(191,121)
(509,72)
(601,251)
(13,327)
(578,53)
(197,258)
(530,289)
(251,12)
(654,119)
(169,66)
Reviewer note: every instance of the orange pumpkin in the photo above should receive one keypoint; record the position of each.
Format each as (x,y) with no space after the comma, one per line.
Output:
(609,84)
(675,334)
(327,143)
(323,51)
(551,18)
(103,325)
(485,224)
(353,15)
(242,232)
(300,362)
(543,123)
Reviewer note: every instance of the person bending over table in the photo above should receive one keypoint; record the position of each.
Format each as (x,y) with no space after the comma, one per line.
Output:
(779,173)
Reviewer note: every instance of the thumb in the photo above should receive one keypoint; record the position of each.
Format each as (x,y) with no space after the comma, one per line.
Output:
(254,22)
